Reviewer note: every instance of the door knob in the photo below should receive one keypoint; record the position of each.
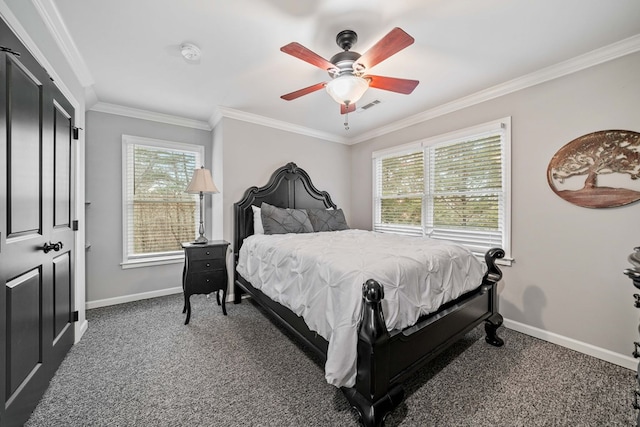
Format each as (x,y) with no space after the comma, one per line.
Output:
(52,246)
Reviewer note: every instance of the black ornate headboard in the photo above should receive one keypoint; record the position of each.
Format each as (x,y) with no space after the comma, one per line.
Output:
(288,187)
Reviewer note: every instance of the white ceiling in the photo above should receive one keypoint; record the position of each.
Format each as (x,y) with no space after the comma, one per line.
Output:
(128,51)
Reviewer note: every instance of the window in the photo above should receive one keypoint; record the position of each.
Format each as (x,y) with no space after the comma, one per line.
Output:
(157,214)
(452,187)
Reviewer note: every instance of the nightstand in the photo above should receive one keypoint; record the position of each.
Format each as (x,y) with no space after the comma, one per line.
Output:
(205,271)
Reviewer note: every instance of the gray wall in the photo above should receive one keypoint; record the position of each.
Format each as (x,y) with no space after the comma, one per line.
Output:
(105,277)
(240,155)
(250,154)
(567,277)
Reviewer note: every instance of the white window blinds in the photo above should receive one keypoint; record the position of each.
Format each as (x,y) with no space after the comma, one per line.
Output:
(400,190)
(466,193)
(453,187)
(157,214)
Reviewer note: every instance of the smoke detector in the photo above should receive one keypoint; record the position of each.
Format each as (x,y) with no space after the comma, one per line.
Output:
(190,51)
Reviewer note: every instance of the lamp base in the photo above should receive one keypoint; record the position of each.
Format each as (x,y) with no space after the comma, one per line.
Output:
(201,240)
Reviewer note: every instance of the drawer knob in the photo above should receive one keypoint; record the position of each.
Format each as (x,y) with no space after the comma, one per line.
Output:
(208,253)
(208,265)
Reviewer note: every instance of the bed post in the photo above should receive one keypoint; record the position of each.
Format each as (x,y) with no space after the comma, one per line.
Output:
(373,397)
(490,283)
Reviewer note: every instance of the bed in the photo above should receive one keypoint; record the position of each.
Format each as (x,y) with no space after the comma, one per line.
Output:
(384,358)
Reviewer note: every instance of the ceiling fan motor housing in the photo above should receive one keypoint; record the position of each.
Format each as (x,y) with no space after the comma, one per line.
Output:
(344,62)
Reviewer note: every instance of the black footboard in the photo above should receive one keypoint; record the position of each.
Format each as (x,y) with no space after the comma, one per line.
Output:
(386,359)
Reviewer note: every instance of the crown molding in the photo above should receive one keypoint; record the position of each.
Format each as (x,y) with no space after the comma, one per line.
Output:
(272,123)
(103,107)
(90,97)
(590,59)
(55,24)
(215,117)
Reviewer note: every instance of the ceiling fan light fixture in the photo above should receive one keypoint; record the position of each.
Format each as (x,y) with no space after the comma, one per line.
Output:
(347,89)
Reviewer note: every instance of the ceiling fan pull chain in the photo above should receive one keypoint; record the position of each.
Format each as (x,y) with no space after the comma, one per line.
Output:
(346,119)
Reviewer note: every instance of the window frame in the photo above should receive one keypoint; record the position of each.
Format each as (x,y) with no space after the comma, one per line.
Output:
(502,125)
(161,258)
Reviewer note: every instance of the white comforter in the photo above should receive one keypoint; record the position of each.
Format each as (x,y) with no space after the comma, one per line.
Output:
(319,276)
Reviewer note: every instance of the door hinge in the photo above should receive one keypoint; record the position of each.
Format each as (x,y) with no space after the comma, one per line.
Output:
(76,132)
(75,225)
(9,50)
(75,316)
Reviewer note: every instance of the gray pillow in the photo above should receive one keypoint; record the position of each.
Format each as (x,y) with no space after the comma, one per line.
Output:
(281,221)
(327,219)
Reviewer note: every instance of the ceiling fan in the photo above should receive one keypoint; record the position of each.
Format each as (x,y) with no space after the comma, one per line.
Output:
(348,69)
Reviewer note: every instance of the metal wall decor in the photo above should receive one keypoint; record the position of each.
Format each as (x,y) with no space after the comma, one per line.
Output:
(598,170)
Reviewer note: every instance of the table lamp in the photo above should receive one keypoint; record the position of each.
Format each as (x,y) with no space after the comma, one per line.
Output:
(201,183)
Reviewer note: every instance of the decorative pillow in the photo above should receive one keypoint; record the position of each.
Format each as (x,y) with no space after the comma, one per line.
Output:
(327,219)
(281,221)
(257,220)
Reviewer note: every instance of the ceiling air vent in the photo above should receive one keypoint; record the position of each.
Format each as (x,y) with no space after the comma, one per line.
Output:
(369,105)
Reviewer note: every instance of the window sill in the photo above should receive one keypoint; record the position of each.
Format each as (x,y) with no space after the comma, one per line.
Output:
(150,262)
(505,262)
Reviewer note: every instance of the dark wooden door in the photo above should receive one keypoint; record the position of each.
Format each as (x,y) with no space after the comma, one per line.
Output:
(36,236)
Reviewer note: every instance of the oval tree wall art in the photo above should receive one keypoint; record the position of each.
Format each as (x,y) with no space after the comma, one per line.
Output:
(598,170)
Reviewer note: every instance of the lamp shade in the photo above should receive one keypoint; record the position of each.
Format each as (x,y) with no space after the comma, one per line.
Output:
(347,89)
(202,182)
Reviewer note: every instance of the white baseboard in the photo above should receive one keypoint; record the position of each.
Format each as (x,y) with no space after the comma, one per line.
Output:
(80,331)
(588,349)
(133,297)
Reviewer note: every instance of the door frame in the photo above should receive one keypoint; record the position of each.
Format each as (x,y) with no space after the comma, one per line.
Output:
(78,165)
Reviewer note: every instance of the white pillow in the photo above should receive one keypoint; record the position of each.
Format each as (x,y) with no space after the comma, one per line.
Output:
(257,220)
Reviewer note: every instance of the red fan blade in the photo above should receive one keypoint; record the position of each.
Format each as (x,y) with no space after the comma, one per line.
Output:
(301,52)
(392,84)
(297,94)
(347,109)
(392,43)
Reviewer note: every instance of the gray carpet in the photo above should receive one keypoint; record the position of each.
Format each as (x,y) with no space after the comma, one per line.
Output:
(139,365)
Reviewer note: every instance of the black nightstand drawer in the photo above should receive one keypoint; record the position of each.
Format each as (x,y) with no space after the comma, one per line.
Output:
(207,282)
(206,265)
(215,252)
